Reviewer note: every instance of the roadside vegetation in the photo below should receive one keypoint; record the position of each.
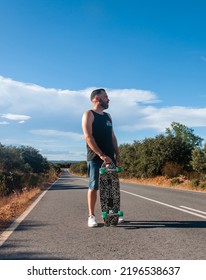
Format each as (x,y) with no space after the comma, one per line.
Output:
(176,158)
(24,172)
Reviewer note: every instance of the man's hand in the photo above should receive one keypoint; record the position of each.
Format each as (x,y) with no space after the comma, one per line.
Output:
(106,159)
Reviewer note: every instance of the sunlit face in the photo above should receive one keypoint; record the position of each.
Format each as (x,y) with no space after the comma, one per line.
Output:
(104,100)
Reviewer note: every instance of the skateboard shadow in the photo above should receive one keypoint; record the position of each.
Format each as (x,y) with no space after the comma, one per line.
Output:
(131,225)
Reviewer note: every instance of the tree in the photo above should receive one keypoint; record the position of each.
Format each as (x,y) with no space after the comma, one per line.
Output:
(185,134)
(128,157)
(10,159)
(185,142)
(198,161)
(34,159)
(155,156)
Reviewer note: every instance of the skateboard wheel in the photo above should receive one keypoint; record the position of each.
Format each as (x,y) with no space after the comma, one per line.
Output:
(104,215)
(120,213)
(118,169)
(102,170)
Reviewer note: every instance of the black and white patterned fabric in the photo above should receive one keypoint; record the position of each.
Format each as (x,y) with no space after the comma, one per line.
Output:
(110,194)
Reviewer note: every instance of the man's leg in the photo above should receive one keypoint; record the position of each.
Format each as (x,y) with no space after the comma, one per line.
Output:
(92,198)
(93,172)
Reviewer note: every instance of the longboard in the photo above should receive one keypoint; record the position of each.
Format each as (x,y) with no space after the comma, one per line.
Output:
(110,194)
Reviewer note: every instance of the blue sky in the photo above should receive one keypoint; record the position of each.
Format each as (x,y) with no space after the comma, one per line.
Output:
(149,55)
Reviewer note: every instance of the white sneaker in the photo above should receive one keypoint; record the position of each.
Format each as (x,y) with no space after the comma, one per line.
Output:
(92,221)
(121,220)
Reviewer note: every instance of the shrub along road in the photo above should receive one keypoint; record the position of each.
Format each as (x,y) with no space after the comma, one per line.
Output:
(160,223)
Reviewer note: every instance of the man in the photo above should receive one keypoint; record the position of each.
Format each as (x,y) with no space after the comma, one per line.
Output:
(101,145)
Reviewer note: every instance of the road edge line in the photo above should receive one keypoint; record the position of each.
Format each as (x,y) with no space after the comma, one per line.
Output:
(6,233)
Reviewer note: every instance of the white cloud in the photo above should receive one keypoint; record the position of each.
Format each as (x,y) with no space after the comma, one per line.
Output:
(131,97)
(13,117)
(22,98)
(160,118)
(57,133)
(54,115)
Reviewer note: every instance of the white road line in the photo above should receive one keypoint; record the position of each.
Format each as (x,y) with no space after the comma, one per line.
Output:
(195,210)
(165,204)
(82,179)
(5,234)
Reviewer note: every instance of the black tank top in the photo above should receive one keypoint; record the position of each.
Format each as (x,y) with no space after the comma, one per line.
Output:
(102,133)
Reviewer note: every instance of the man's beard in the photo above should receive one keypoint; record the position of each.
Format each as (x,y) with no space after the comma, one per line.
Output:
(104,105)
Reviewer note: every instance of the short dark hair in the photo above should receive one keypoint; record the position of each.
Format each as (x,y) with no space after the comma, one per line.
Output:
(96,92)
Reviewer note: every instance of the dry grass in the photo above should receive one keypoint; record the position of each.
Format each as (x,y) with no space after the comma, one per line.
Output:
(14,205)
(162,181)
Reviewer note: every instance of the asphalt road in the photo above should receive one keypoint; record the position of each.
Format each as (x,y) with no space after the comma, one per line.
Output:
(160,223)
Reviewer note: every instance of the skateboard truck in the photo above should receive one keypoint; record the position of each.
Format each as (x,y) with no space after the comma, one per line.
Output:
(103,170)
(112,213)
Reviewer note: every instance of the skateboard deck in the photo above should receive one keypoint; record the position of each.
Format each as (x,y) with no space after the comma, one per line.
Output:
(110,194)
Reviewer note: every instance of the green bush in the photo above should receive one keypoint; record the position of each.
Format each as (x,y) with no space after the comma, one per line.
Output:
(175,181)
(194,183)
(202,185)
(79,167)
(3,187)
(23,167)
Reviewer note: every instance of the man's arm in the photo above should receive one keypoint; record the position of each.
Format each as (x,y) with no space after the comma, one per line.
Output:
(116,149)
(87,121)
(115,144)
